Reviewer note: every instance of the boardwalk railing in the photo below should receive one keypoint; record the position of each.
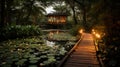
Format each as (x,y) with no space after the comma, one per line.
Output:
(98,57)
(68,54)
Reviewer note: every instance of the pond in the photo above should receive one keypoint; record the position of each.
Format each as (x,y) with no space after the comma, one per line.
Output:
(36,51)
(59,35)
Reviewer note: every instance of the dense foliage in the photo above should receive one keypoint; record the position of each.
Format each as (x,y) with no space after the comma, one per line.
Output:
(105,22)
(106,51)
(22,11)
(75,30)
(19,31)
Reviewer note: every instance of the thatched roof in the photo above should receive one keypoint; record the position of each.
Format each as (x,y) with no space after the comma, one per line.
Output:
(57,14)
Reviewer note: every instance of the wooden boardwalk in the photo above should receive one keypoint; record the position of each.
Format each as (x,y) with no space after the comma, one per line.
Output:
(84,55)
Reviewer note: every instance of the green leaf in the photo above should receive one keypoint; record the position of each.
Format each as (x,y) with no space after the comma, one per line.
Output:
(21,62)
(34,59)
(32,65)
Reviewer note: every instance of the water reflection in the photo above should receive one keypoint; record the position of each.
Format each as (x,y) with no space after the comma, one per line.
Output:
(50,43)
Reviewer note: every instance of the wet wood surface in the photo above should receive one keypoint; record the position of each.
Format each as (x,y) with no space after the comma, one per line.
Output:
(84,55)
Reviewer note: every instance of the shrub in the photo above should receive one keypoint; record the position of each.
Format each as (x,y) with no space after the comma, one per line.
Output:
(18,31)
(74,30)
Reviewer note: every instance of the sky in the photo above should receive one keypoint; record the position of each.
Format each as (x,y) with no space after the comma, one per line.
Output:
(49,9)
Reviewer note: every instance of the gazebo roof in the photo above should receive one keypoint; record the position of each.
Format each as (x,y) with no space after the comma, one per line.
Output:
(57,14)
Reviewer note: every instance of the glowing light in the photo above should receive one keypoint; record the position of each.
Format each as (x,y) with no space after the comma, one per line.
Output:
(94,32)
(81,31)
(56,19)
(97,35)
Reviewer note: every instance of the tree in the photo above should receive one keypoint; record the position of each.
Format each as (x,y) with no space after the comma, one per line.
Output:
(107,14)
(2,12)
(62,8)
(72,6)
(21,11)
(80,6)
(85,6)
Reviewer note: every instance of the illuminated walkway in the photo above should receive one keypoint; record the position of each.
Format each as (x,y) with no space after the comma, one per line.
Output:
(84,55)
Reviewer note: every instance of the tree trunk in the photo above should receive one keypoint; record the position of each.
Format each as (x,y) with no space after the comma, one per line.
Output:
(83,7)
(18,17)
(30,10)
(74,15)
(2,13)
(84,19)
(72,5)
(9,11)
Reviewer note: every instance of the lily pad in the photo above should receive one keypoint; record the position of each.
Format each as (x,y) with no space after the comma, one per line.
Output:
(21,62)
(34,59)
(15,59)
(32,65)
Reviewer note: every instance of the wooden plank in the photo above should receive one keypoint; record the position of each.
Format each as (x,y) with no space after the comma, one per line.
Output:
(81,65)
(83,61)
(84,55)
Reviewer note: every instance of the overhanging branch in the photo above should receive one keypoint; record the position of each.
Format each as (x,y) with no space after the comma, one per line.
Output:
(81,4)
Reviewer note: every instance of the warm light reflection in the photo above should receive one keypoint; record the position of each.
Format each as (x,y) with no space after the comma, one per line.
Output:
(50,34)
(57,32)
(93,30)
